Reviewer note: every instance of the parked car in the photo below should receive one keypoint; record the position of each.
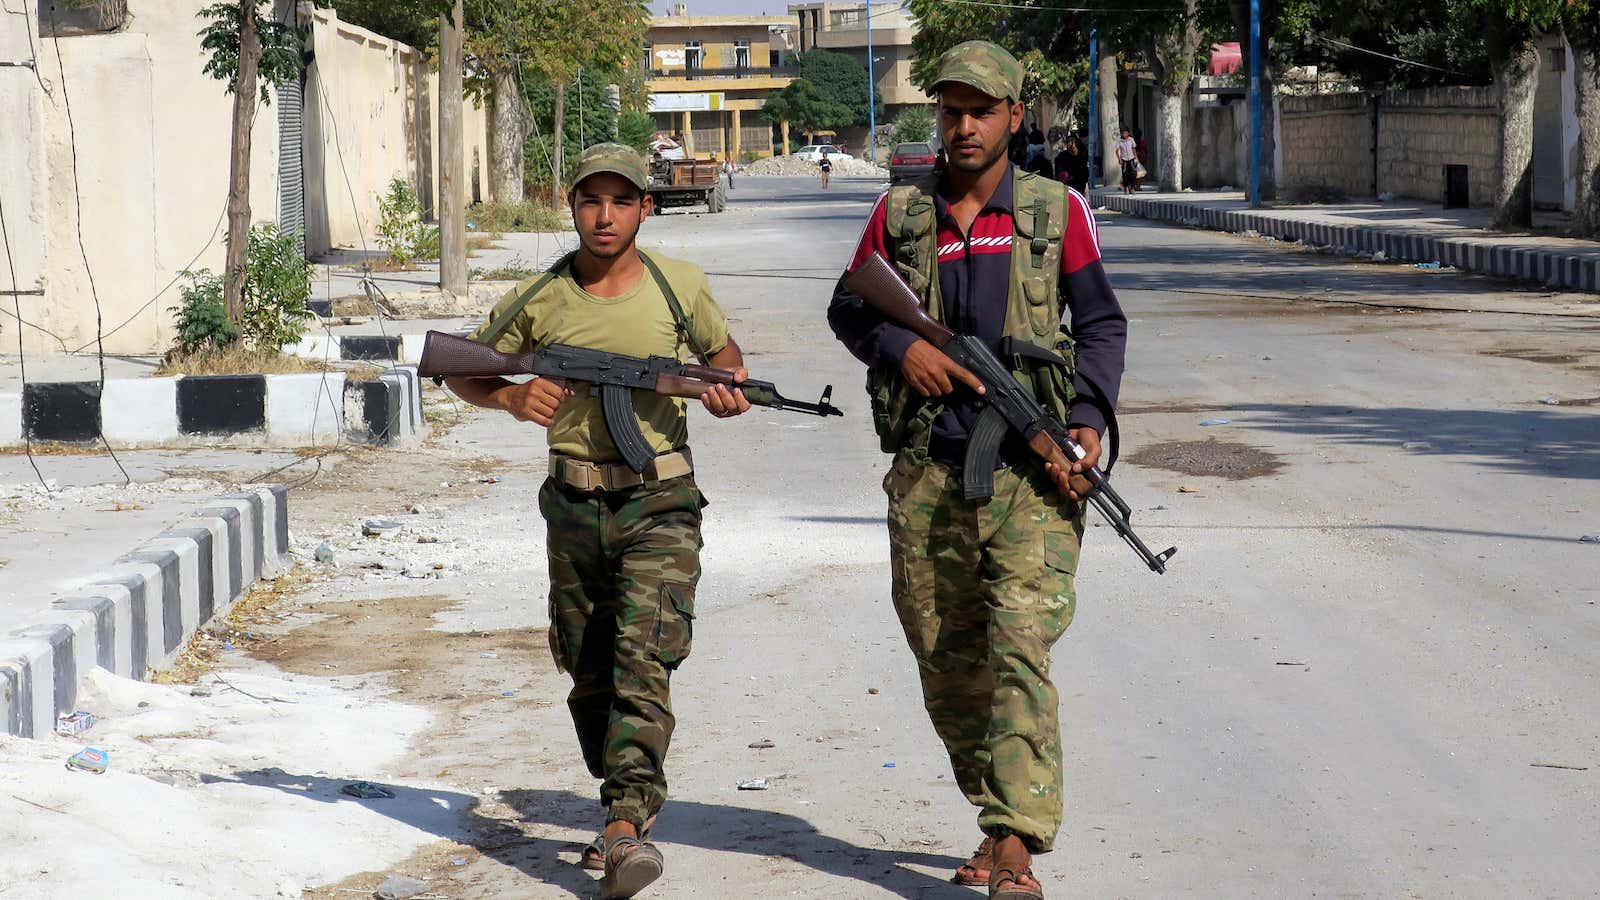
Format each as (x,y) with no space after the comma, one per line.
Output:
(909,161)
(815,152)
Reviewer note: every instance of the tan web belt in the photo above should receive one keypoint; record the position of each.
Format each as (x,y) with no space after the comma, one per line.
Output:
(588,476)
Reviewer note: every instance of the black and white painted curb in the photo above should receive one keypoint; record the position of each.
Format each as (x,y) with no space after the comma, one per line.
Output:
(403,348)
(1548,267)
(136,615)
(204,410)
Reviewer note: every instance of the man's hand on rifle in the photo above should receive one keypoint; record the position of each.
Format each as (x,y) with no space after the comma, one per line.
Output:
(722,402)
(533,401)
(1073,484)
(933,374)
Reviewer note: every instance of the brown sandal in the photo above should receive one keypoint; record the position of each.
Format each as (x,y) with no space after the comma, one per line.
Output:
(1014,888)
(593,857)
(631,866)
(975,871)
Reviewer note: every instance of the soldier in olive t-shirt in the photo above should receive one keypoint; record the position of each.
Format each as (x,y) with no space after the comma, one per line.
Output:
(637,322)
(623,547)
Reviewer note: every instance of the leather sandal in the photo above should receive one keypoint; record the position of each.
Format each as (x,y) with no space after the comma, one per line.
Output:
(594,854)
(1014,888)
(975,871)
(631,865)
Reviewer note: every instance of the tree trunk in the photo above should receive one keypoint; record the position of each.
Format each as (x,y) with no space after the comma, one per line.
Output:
(1586,50)
(1516,77)
(506,140)
(452,158)
(1110,133)
(556,134)
(1169,116)
(244,117)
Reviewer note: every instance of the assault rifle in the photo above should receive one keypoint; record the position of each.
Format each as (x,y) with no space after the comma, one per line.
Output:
(612,376)
(1008,406)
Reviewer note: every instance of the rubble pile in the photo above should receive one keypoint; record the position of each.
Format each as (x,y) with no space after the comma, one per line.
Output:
(794,165)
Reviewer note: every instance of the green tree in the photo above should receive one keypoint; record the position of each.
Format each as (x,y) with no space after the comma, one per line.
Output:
(590,118)
(914,124)
(801,104)
(250,55)
(839,79)
(636,128)
(1511,29)
(407,21)
(1581,22)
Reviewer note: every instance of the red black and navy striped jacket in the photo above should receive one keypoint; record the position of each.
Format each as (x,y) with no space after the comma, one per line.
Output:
(974,281)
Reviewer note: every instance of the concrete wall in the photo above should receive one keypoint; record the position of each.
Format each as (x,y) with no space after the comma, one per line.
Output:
(1327,143)
(151,133)
(371,111)
(1422,131)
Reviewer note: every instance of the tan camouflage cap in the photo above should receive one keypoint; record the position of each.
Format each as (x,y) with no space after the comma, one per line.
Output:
(616,158)
(984,65)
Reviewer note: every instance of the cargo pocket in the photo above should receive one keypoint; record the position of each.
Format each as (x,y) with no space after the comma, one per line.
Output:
(674,624)
(1058,597)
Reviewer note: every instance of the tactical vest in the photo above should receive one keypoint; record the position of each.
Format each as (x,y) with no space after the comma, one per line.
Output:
(904,418)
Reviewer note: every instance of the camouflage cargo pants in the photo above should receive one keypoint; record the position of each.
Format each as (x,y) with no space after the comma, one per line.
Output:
(623,568)
(983,590)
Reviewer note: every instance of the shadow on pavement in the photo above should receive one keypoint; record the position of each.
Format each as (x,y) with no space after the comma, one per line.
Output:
(1536,442)
(454,816)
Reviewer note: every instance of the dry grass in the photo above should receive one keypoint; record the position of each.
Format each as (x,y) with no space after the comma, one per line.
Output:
(257,608)
(90,449)
(237,361)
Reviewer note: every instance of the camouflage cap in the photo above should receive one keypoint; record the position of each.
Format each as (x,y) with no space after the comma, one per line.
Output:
(984,65)
(616,158)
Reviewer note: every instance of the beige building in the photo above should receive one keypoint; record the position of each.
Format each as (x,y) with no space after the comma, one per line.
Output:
(707,78)
(140,168)
(842,27)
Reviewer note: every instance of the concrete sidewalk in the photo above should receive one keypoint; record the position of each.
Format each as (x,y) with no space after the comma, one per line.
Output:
(1401,230)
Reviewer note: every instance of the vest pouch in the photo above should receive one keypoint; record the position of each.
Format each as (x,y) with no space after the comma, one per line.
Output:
(1036,255)
(898,412)
(1052,385)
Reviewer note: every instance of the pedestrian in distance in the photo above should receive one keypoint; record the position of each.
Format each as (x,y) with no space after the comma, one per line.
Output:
(825,168)
(984,588)
(1128,156)
(1072,166)
(623,547)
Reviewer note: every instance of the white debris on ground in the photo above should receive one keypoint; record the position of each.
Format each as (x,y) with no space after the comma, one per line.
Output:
(185,759)
(794,165)
(33,495)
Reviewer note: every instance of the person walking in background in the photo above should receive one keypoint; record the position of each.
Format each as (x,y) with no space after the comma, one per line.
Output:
(1128,156)
(1072,166)
(826,168)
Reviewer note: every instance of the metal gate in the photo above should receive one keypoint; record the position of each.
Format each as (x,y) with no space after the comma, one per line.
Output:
(291,163)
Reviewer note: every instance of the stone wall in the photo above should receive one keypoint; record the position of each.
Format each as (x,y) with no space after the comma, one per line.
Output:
(1422,131)
(1328,142)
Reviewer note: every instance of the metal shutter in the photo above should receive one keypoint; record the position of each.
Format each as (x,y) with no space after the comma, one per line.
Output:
(291,163)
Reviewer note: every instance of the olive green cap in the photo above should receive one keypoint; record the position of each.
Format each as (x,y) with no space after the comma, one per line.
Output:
(984,65)
(616,158)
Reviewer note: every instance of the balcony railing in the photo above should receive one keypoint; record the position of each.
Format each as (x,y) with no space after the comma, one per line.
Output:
(716,74)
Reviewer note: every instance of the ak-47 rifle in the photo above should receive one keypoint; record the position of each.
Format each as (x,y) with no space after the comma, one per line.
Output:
(1008,406)
(612,376)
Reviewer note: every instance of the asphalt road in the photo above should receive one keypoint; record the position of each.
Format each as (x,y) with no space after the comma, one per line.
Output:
(1369,672)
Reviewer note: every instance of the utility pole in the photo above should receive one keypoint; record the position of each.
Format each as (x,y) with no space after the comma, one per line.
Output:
(1094,105)
(452,162)
(872,103)
(244,115)
(1255,102)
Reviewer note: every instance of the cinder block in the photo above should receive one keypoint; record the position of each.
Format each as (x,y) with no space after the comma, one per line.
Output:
(316,346)
(152,597)
(27,686)
(113,623)
(179,559)
(140,411)
(305,410)
(411,347)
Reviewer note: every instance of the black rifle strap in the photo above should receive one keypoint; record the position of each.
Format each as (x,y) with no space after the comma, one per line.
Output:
(499,325)
(677,310)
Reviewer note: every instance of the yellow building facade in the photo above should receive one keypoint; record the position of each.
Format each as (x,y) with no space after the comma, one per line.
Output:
(707,78)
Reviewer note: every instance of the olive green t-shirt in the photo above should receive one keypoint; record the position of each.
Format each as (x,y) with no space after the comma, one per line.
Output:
(637,322)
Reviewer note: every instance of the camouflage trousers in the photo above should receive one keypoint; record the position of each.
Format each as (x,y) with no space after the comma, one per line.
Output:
(983,590)
(623,568)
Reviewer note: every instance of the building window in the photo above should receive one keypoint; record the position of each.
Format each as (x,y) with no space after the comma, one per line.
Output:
(839,17)
(741,54)
(649,56)
(692,53)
